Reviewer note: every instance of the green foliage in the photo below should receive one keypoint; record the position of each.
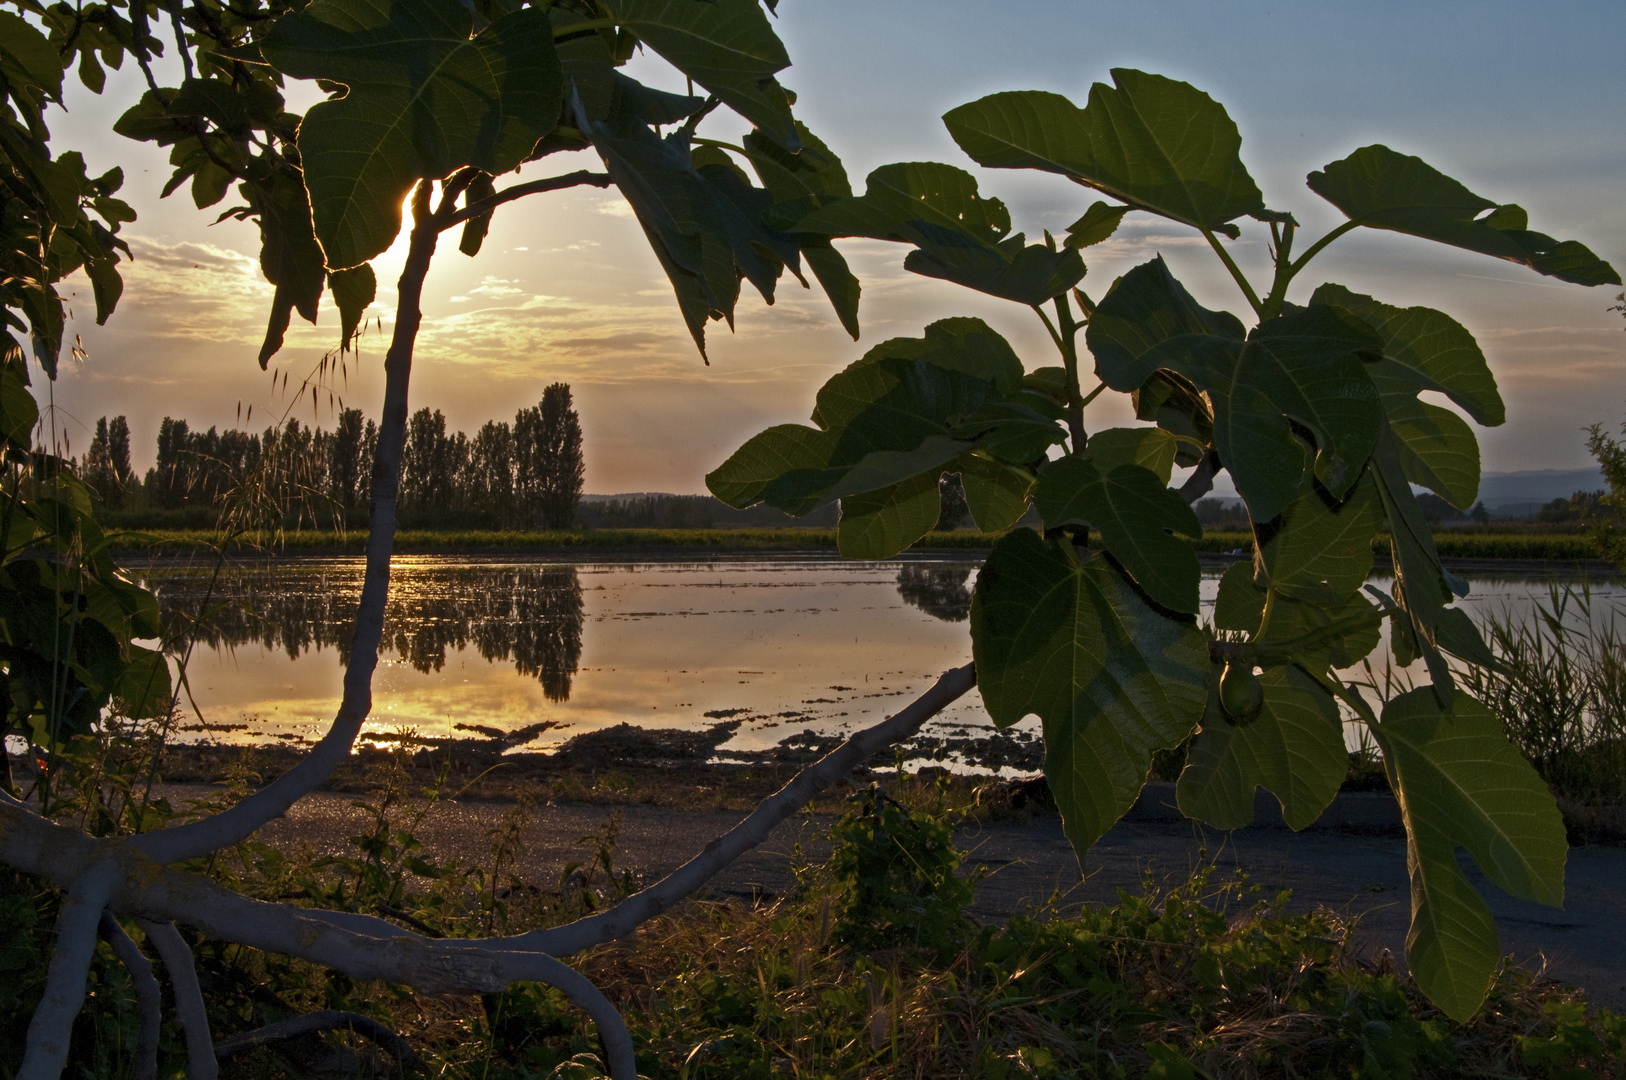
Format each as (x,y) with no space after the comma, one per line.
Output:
(1313,410)
(896,878)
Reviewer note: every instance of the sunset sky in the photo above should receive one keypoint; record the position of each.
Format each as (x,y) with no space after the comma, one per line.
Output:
(1523,103)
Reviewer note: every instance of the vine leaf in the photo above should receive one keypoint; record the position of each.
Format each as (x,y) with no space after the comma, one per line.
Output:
(1385,189)
(1461,784)
(1099,222)
(1140,519)
(290,257)
(424,99)
(353,290)
(1112,679)
(1294,749)
(1150,141)
(726,46)
(959,236)
(810,178)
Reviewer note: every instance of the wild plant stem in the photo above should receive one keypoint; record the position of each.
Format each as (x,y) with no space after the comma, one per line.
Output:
(1236,273)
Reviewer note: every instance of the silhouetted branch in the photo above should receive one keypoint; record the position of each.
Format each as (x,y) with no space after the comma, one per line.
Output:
(149,1001)
(580,178)
(183,980)
(51,1028)
(682,882)
(324,1020)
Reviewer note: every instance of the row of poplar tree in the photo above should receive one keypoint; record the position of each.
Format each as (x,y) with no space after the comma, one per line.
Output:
(510,476)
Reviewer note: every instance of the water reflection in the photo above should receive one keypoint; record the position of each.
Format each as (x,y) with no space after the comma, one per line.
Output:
(939,591)
(528,616)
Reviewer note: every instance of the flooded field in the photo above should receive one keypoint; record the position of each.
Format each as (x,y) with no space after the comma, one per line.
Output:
(535,652)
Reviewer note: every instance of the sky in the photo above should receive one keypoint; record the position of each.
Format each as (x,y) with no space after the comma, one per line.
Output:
(1523,103)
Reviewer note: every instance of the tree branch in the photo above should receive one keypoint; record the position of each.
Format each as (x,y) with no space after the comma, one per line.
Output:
(518,191)
(149,1001)
(324,1020)
(362,946)
(682,882)
(183,980)
(51,1027)
(198,838)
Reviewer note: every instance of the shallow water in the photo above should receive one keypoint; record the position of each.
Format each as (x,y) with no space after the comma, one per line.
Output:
(783,644)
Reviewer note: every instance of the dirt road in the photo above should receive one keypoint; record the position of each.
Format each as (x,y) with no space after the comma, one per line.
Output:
(1354,862)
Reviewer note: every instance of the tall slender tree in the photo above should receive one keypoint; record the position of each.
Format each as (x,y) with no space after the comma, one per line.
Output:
(559,453)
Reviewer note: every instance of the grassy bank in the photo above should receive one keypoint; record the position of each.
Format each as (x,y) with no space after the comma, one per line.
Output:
(869,970)
(1526,545)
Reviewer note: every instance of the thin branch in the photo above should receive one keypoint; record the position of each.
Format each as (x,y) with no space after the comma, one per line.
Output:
(149,1001)
(198,838)
(183,980)
(682,882)
(324,1020)
(51,1028)
(518,191)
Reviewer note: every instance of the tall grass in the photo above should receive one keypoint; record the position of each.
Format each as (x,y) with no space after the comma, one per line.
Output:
(1559,687)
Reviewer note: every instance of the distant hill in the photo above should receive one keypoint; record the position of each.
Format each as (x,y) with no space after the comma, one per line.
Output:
(1511,492)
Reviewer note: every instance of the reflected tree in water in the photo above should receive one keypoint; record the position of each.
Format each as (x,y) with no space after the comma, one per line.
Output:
(530,616)
(939,591)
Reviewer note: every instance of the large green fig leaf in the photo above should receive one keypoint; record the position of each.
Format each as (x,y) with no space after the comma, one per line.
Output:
(1149,447)
(1150,141)
(1294,749)
(1113,679)
(995,493)
(1149,321)
(1461,784)
(1321,549)
(960,236)
(1304,366)
(726,46)
(424,99)
(1140,520)
(1437,448)
(1428,350)
(744,478)
(1424,349)
(1384,189)
(879,524)
(1336,632)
